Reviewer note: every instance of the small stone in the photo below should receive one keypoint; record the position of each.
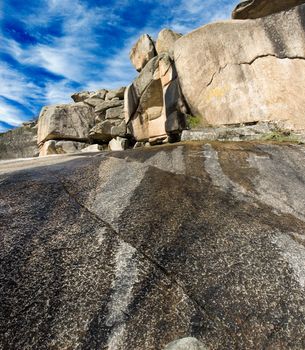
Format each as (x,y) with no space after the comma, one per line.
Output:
(103,106)
(93,101)
(92,148)
(118,93)
(115,113)
(186,344)
(80,96)
(118,144)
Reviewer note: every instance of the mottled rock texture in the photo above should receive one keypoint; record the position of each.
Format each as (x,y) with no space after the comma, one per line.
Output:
(246,71)
(19,143)
(65,122)
(261,8)
(136,249)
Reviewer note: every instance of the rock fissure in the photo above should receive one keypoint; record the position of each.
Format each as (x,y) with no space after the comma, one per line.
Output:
(146,258)
(221,68)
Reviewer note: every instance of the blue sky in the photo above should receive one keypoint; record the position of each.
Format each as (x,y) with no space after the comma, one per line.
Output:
(52,48)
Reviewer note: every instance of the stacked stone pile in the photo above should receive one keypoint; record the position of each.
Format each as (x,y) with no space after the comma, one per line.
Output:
(95,118)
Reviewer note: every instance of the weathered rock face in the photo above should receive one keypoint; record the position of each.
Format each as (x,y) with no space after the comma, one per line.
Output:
(97,119)
(261,8)
(19,143)
(107,130)
(166,41)
(136,250)
(154,107)
(65,122)
(259,82)
(143,51)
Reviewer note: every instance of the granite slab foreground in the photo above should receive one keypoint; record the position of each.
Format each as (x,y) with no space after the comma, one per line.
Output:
(137,249)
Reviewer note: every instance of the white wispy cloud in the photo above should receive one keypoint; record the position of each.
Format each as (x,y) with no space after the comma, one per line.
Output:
(12,114)
(16,86)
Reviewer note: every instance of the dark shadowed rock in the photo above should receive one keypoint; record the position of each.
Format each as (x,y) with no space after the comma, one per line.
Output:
(261,8)
(136,249)
(19,143)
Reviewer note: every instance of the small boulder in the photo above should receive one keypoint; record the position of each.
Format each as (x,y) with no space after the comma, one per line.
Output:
(63,147)
(142,52)
(186,344)
(119,130)
(103,106)
(102,131)
(101,94)
(118,144)
(118,93)
(115,113)
(47,148)
(80,96)
(166,41)
(60,147)
(93,101)
(93,148)
(261,8)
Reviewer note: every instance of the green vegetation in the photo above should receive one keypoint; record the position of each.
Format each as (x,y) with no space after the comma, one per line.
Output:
(193,121)
(281,136)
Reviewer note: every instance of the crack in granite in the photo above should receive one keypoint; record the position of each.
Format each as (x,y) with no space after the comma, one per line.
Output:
(146,258)
(221,68)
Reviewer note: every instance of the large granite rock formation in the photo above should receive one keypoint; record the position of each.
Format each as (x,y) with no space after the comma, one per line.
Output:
(96,117)
(142,52)
(245,71)
(20,142)
(137,249)
(154,106)
(261,8)
(65,122)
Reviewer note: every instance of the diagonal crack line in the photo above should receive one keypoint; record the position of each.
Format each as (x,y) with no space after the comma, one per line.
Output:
(214,74)
(146,257)
(280,57)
